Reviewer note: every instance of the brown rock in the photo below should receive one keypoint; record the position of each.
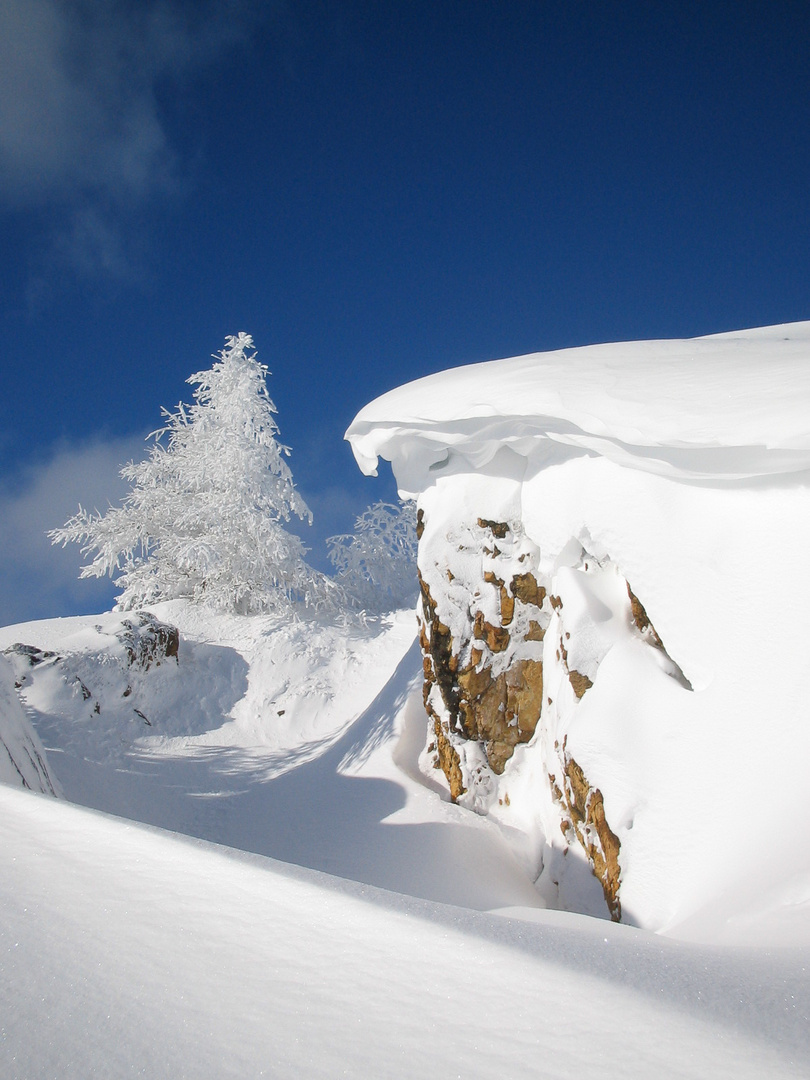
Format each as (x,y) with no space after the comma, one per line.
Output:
(641,621)
(641,618)
(420,523)
(507,607)
(507,602)
(525,588)
(496,637)
(499,529)
(524,700)
(148,641)
(584,809)
(503,711)
(579,682)
(474,683)
(437,648)
(449,761)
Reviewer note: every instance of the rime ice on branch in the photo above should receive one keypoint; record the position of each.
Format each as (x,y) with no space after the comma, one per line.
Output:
(376,565)
(204,518)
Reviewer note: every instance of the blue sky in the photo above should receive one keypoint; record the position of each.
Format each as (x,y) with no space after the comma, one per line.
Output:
(374,191)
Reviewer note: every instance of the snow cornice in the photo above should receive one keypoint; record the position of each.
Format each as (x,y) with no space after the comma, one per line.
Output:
(727,407)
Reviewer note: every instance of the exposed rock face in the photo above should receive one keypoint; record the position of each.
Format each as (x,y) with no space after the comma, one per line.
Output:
(584,820)
(439,667)
(511,647)
(31,654)
(489,694)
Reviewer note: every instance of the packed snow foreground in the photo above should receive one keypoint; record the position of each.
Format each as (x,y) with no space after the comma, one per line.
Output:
(378,855)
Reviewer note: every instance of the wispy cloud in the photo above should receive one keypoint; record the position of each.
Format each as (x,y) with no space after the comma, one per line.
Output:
(38,580)
(80,124)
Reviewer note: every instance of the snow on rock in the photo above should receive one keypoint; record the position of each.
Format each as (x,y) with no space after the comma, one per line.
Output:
(614,603)
(23,761)
(102,681)
(727,406)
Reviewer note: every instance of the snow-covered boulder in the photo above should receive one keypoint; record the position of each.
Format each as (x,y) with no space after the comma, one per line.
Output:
(614,595)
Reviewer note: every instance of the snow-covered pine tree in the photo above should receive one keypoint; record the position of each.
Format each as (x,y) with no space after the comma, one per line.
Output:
(204,517)
(376,564)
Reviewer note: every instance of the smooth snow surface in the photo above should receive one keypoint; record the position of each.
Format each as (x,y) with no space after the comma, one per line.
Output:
(130,952)
(281,738)
(720,407)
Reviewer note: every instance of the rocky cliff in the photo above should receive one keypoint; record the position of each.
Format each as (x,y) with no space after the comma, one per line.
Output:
(510,649)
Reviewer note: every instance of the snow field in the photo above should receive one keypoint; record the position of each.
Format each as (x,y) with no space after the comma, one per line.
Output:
(127,951)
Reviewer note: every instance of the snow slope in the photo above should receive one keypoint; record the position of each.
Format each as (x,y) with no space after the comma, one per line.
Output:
(270,736)
(22,757)
(126,951)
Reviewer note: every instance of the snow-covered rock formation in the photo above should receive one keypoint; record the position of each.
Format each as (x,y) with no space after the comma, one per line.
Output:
(613,618)
(94,686)
(23,762)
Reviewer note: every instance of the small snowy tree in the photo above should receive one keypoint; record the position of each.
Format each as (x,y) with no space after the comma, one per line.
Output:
(376,565)
(204,517)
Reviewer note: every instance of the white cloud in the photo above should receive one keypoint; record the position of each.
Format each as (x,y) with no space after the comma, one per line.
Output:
(80,125)
(77,110)
(38,580)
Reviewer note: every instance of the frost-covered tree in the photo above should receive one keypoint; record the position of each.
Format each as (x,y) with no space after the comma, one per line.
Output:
(376,565)
(204,518)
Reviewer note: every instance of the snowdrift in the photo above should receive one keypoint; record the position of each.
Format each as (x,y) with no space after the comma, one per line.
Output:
(297,739)
(409,937)
(128,951)
(615,589)
(729,406)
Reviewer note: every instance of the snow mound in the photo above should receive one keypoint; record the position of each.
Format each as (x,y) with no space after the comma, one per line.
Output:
(369,956)
(728,406)
(298,739)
